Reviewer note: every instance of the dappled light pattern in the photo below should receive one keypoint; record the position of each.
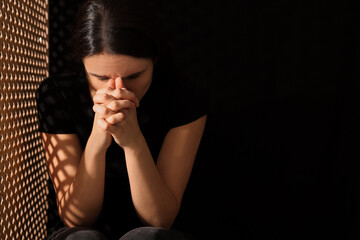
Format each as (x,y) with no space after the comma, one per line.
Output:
(23,172)
(59,152)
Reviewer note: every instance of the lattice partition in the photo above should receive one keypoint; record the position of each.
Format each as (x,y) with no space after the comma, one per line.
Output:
(23,172)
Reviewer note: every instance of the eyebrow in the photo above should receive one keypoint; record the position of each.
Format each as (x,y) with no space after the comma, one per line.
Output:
(123,78)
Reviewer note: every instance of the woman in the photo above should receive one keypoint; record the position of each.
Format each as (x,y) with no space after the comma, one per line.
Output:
(121,138)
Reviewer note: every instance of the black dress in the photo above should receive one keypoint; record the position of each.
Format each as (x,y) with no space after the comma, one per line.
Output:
(65,107)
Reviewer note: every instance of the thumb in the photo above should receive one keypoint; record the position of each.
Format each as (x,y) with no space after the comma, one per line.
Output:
(119,83)
(111,83)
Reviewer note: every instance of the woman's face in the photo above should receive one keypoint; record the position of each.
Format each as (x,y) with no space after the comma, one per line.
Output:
(136,73)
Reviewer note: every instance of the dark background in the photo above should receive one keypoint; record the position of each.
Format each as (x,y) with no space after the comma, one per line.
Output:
(280,154)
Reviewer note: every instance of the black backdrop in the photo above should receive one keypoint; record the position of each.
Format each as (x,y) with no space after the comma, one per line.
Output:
(279,157)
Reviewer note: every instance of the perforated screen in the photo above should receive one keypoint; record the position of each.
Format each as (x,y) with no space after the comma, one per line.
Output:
(23,172)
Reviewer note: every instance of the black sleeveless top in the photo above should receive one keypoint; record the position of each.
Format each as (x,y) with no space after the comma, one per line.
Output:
(65,107)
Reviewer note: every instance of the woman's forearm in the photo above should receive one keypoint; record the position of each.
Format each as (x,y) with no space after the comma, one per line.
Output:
(155,204)
(81,204)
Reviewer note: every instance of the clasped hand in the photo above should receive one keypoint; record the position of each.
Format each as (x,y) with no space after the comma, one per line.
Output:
(115,112)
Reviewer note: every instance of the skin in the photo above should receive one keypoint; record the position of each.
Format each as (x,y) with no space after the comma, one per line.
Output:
(78,175)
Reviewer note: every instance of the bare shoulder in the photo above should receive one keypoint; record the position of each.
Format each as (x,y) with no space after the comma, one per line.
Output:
(198,124)
(178,153)
(184,140)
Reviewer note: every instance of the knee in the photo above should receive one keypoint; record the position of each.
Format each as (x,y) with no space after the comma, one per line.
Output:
(148,233)
(85,234)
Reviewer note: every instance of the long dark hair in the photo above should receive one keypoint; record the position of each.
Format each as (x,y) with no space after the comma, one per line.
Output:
(128,27)
(116,27)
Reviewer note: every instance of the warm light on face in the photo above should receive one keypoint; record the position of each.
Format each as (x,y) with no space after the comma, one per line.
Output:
(135,73)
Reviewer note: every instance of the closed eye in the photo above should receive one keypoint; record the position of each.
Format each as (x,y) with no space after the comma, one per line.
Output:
(103,78)
(131,76)
(100,77)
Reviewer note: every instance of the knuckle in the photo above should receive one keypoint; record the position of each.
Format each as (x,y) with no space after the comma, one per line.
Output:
(111,105)
(105,111)
(117,105)
(111,120)
(106,98)
(117,93)
(119,117)
(114,105)
(103,96)
(96,98)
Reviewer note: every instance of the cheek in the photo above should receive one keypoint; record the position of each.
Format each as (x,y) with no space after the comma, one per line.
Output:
(141,87)
(145,86)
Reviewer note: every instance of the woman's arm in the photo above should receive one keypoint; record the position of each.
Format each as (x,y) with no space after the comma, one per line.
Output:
(78,176)
(157,190)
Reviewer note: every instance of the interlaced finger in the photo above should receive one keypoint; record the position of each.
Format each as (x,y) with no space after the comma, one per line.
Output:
(103,98)
(102,110)
(107,90)
(123,93)
(118,105)
(116,118)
